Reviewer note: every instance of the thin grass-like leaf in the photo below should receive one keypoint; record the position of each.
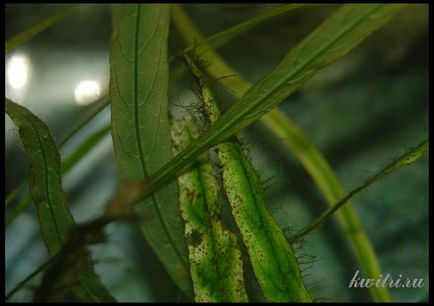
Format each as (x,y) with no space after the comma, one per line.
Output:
(85,147)
(27,34)
(140,127)
(54,217)
(272,258)
(298,143)
(405,159)
(215,258)
(331,40)
(219,39)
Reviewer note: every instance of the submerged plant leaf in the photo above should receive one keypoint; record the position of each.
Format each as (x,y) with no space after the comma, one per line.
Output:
(140,127)
(55,219)
(215,258)
(68,162)
(297,143)
(71,134)
(35,29)
(271,256)
(331,40)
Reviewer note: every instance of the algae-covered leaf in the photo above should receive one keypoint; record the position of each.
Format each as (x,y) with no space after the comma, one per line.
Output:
(336,36)
(272,258)
(299,145)
(55,219)
(215,258)
(140,127)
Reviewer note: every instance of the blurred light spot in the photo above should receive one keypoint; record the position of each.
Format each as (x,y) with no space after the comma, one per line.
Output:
(87,92)
(18,71)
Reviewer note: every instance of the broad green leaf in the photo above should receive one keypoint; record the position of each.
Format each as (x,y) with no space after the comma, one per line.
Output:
(140,127)
(215,258)
(331,40)
(54,217)
(24,36)
(405,159)
(309,156)
(271,256)
(68,162)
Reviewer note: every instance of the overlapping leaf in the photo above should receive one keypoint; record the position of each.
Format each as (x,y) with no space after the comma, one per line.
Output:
(215,258)
(140,128)
(310,157)
(272,258)
(331,40)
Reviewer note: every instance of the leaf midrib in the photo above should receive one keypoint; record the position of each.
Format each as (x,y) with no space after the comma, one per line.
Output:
(50,204)
(137,130)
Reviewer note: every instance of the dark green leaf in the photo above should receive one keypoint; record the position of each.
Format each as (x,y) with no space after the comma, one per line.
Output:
(54,217)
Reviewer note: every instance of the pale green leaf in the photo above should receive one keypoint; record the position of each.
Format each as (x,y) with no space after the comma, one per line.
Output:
(215,258)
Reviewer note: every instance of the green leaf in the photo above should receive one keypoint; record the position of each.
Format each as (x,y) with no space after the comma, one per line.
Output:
(24,36)
(23,204)
(405,159)
(140,127)
(308,155)
(68,162)
(331,40)
(272,258)
(331,188)
(215,258)
(54,217)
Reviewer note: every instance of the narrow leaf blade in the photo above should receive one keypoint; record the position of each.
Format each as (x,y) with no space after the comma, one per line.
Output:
(223,37)
(334,38)
(27,34)
(67,163)
(54,217)
(302,148)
